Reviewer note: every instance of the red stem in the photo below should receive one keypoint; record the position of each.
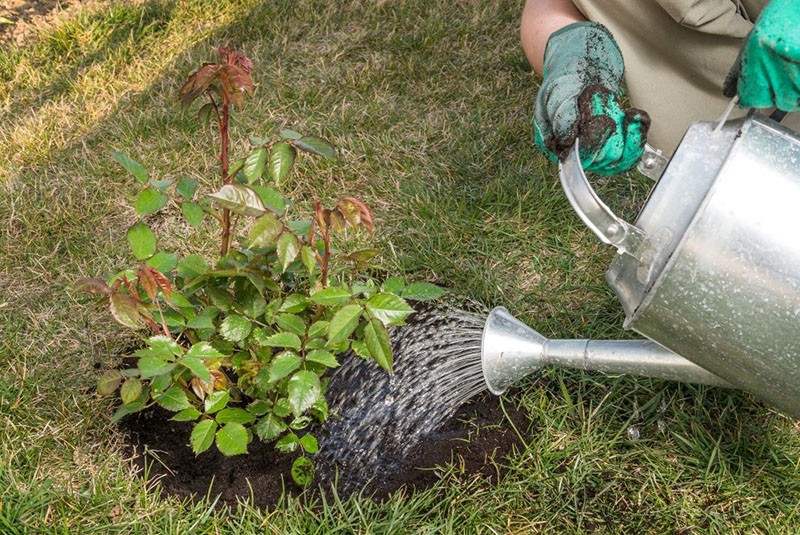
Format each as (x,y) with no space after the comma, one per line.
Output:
(223,156)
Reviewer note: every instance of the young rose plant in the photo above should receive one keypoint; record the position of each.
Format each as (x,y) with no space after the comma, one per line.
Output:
(240,346)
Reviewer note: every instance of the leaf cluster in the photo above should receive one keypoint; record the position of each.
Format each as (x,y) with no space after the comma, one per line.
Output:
(241,344)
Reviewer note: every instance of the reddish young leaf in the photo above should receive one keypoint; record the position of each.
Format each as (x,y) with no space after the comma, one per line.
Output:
(198,82)
(350,211)
(364,212)
(91,285)
(125,310)
(337,221)
(153,280)
(235,82)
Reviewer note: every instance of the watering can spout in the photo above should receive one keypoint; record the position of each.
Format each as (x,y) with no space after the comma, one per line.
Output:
(510,350)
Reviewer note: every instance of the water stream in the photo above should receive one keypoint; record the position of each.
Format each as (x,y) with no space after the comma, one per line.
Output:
(377,419)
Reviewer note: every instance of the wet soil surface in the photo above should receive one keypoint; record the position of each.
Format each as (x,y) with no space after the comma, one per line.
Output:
(478,433)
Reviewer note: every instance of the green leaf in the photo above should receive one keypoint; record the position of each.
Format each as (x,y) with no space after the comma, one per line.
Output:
(201,322)
(108,383)
(282,408)
(344,322)
(259,407)
(205,113)
(192,266)
(132,166)
(232,439)
(193,213)
(309,443)
(187,415)
(161,346)
(186,188)
(338,347)
(304,389)
(284,364)
(300,228)
(131,390)
(174,399)
(254,305)
(422,291)
(288,248)
(235,328)
(255,140)
(153,366)
(308,258)
(216,401)
(254,164)
(240,199)
(303,471)
(359,347)
(149,201)
(271,198)
(160,383)
(290,134)
(294,303)
(203,435)
(163,262)
(388,308)
(318,328)
(269,427)
(197,366)
(265,231)
(222,299)
(284,339)
(320,409)
(129,408)
(378,343)
(161,185)
(293,324)
(125,310)
(323,357)
(287,444)
(315,145)
(331,296)
(204,350)
(142,241)
(281,160)
(234,415)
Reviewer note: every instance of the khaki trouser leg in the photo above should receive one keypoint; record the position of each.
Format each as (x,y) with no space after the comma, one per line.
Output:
(673,72)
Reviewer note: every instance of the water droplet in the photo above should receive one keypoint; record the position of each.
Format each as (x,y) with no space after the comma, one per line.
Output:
(633,433)
(662,427)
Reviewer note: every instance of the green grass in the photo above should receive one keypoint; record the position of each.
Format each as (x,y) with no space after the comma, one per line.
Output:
(429,103)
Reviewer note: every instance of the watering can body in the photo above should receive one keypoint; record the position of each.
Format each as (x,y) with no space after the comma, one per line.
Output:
(711,268)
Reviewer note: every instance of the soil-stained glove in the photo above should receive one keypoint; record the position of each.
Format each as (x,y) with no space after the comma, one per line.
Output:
(768,67)
(580,98)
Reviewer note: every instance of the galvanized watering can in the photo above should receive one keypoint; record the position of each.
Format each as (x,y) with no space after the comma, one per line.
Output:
(709,273)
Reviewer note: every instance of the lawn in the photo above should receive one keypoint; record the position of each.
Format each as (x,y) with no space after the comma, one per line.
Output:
(429,104)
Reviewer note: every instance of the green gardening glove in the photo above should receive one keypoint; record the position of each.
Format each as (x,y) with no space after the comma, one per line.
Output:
(580,98)
(769,60)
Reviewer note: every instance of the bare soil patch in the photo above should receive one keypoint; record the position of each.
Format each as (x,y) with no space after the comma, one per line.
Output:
(474,441)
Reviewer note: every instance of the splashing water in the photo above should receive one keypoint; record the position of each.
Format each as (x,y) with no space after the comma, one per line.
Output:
(377,419)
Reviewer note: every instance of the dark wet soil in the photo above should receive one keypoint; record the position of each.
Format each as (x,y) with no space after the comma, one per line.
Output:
(470,441)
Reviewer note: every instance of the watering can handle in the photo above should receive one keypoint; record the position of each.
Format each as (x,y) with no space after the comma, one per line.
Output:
(595,214)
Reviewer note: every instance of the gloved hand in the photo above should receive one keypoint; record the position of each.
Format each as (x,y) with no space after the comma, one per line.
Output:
(580,98)
(768,68)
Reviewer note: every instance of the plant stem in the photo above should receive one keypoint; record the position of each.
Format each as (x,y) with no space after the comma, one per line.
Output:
(223,156)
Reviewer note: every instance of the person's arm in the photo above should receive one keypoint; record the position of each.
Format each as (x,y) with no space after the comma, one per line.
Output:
(540,18)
